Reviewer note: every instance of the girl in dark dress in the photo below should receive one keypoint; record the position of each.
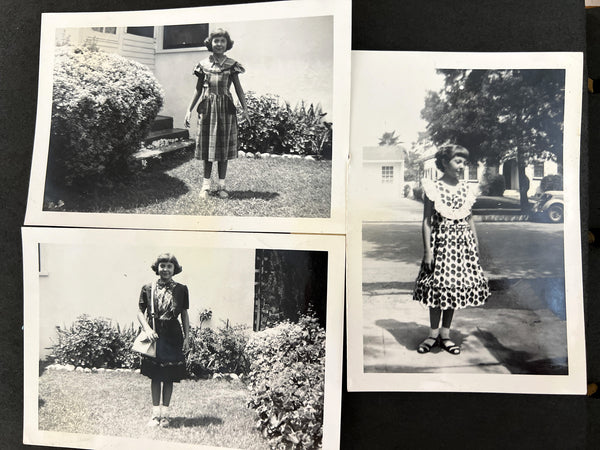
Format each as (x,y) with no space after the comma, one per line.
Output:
(171,300)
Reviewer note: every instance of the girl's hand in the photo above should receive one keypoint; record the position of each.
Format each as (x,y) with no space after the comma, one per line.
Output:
(247,118)
(151,334)
(186,121)
(428,261)
(186,344)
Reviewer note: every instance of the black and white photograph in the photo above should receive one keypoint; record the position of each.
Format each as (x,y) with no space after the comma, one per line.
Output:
(216,118)
(464,265)
(141,339)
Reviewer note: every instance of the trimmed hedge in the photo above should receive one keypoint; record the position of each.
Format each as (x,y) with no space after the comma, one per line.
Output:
(102,107)
(287,381)
(551,183)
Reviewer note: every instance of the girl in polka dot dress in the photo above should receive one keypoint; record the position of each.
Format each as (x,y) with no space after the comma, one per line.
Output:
(450,277)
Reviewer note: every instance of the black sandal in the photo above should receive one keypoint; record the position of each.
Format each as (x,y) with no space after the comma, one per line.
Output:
(424,347)
(450,346)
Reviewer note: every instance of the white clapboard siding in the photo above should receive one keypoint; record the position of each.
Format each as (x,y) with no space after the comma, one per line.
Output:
(138,48)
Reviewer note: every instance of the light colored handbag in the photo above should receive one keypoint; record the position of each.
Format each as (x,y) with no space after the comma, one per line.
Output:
(142,343)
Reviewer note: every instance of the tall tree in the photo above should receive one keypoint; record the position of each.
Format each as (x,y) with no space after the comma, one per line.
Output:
(388,138)
(500,114)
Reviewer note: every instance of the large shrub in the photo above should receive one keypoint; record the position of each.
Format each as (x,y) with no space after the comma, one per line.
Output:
(551,183)
(287,379)
(493,185)
(278,128)
(102,106)
(89,342)
(217,351)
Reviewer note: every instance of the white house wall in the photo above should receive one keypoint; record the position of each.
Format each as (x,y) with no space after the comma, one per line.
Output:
(105,282)
(292,58)
(374,189)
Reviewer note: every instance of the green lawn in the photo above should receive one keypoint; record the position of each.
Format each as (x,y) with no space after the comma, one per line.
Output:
(207,412)
(257,187)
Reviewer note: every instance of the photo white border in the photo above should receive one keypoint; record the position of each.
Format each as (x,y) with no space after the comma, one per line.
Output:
(335,223)
(575,381)
(334,245)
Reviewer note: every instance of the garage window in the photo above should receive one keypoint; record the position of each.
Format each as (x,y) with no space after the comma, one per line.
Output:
(387,174)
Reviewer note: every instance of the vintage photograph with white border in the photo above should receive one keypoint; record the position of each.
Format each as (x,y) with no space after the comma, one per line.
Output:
(85,284)
(292,60)
(505,244)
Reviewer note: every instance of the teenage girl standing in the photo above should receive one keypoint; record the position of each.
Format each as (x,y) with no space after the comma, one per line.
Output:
(451,276)
(217,122)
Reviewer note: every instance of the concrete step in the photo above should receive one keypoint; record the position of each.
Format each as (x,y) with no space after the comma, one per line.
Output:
(168,133)
(173,147)
(161,123)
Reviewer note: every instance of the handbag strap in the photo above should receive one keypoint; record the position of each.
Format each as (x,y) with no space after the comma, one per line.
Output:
(152,288)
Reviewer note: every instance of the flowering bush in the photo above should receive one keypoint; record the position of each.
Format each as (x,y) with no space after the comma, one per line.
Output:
(287,380)
(89,342)
(278,128)
(217,351)
(102,106)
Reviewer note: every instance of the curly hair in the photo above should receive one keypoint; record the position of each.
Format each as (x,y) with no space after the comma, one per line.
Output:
(447,152)
(219,32)
(166,257)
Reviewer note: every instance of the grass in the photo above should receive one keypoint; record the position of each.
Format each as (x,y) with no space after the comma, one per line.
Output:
(205,412)
(257,187)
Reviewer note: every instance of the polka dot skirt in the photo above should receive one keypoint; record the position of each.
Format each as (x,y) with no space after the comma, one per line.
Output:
(457,279)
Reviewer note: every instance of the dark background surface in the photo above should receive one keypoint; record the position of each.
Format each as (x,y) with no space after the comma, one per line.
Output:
(369,420)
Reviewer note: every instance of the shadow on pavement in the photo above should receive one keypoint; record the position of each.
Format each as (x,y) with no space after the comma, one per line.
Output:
(519,362)
(411,334)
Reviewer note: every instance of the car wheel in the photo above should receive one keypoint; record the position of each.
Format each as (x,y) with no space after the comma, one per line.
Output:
(555,213)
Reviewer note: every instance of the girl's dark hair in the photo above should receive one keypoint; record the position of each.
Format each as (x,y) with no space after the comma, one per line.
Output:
(219,32)
(447,152)
(167,257)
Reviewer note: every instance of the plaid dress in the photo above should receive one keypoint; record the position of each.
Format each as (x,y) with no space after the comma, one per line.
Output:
(217,122)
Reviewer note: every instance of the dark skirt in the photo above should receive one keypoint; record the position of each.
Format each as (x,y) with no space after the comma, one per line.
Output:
(169,364)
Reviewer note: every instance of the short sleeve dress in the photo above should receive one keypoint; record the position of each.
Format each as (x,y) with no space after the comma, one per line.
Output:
(457,279)
(217,138)
(170,299)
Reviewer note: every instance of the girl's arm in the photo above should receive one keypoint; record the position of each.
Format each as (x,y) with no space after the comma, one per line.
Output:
(472,225)
(146,326)
(427,251)
(185,320)
(197,93)
(240,94)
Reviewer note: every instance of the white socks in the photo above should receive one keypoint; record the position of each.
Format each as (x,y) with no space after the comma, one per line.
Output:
(221,184)
(156,411)
(445,333)
(165,411)
(206,184)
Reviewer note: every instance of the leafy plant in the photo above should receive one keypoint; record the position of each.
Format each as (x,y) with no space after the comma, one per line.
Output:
(493,185)
(217,351)
(89,342)
(287,379)
(551,183)
(102,106)
(278,128)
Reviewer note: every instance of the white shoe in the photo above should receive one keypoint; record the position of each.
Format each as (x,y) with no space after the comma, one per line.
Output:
(223,193)
(204,194)
(154,422)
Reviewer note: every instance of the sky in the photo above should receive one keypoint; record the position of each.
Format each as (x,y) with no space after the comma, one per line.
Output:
(388,94)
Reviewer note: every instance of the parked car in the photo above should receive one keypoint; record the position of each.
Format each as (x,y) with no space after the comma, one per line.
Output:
(550,206)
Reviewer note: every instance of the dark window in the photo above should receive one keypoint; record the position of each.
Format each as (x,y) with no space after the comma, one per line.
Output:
(538,170)
(185,36)
(141,31)
(107,30)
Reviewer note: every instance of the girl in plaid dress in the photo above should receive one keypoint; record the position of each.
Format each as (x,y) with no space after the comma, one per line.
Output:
(450,277)
(217,122)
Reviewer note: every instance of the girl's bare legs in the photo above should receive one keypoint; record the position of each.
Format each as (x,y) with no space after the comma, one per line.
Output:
(206,180)
(155,389)
(167,391)
(445,341)
(222,168)
(431,340)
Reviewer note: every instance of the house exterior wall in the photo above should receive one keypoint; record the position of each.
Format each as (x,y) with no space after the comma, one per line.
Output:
(550,168)
(292,58)
(105,282)
(375,189)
